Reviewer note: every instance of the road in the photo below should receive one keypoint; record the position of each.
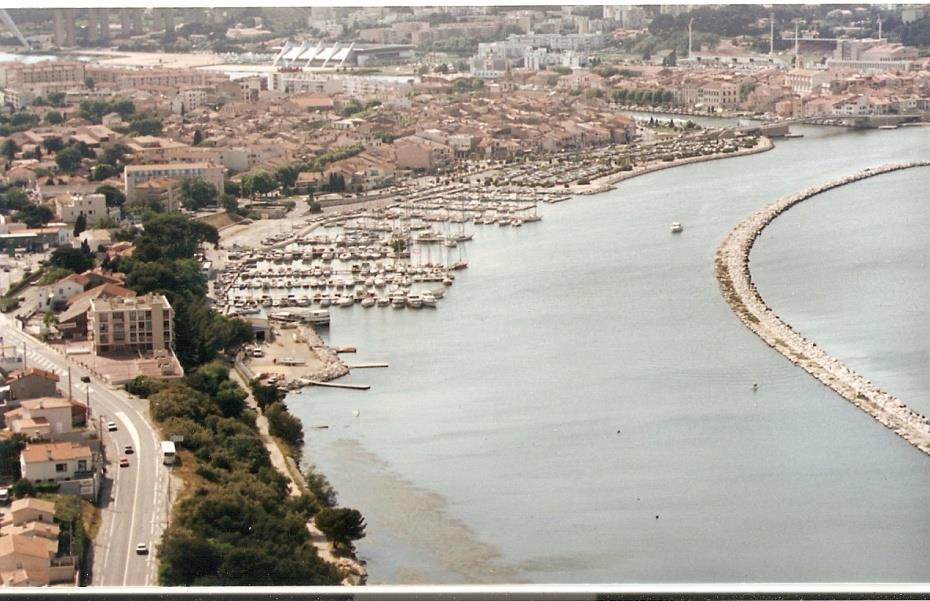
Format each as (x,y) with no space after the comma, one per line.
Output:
(134,500)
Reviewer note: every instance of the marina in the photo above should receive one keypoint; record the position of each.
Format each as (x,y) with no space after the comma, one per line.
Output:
(652,349)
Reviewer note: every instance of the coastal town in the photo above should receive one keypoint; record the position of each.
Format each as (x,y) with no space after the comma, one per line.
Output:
(192,198)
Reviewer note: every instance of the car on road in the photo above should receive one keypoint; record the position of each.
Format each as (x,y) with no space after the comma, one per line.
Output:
(124,462)
(111,426)
(128,449)
(142,549)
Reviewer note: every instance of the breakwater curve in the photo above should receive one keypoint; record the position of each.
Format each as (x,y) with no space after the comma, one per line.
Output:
(731,266)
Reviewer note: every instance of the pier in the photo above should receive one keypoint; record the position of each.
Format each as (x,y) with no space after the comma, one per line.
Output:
(739,291)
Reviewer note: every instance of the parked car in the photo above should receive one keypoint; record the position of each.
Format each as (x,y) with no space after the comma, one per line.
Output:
(142,549)
(124,462)
(128,449)
(111,426)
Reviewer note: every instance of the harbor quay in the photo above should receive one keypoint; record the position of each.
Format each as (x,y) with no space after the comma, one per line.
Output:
(739,291)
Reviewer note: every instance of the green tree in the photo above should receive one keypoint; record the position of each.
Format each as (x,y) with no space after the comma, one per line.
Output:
(73,259)
(145,127)
(114,196)
(68,159)
(24,488)
(80,224)
(262,183)
(286,177)
(9,149)
(54,118)
(197,193)
(102,171)
(229,203)
(198,137)
(341,525)
(89,83)
(114,154)
(9,457)
(34,215)
(53,143)
(284,425)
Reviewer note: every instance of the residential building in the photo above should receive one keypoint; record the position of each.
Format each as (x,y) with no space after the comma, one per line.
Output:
(420,154)
(133,175)
(44,417)
(188,100)
(141,323)
(71,206)
(56,462)
(806,82)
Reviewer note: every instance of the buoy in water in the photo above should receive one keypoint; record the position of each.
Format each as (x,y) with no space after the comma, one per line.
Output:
(755,387)
(356,413)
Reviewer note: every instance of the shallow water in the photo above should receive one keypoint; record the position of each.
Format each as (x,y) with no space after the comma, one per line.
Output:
(584,376)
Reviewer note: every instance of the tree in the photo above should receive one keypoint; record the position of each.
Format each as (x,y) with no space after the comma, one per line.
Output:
(286,177)
(80,224)
(284,425)
(342,525)
(102,171)
(68,159)
(114,154)
(260,183)
(229,203)
(34,215)
(197,193)
(198,137)
(53,144)
(114,196)
(146,127)
(73,259)
(89,83)
(9,149)
(24,488)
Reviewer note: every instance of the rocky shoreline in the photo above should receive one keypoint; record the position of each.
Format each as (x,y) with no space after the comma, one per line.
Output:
(739,291)
(607,182)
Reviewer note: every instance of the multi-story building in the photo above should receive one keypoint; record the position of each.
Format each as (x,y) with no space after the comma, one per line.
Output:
(866,56)
(41,78)
(189,100)
(806,82)
(69,207)
(141,323)
(44,417)
(56,461)
(133,175)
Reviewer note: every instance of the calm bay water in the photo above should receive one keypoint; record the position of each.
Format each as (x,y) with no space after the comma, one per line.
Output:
(579,407)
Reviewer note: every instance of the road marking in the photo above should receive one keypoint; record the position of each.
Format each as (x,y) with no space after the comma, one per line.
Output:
(132,520)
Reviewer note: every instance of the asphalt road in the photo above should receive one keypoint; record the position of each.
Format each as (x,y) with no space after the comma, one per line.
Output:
(134,500)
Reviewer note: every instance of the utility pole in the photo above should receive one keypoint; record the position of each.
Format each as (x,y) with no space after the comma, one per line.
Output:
(70,396)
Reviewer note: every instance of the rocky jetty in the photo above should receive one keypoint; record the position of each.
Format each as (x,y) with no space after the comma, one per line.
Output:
(737,287)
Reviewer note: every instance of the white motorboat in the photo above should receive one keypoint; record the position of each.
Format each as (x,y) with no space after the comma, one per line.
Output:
(414,301)
(677,228)
(428,299)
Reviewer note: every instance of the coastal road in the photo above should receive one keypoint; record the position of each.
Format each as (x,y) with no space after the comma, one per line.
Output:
(134,500)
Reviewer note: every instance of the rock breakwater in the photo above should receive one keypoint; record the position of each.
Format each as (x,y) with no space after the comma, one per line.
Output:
(739,291)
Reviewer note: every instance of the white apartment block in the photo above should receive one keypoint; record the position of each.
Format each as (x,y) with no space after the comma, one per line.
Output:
(133,175)
(141,323)
(93,207)
(188,100)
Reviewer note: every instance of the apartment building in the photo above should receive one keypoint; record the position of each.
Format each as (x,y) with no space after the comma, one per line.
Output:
(70,207)
(133,175)
(56,461)
(43,76)
(142,323)
(188,100)
(806,82)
